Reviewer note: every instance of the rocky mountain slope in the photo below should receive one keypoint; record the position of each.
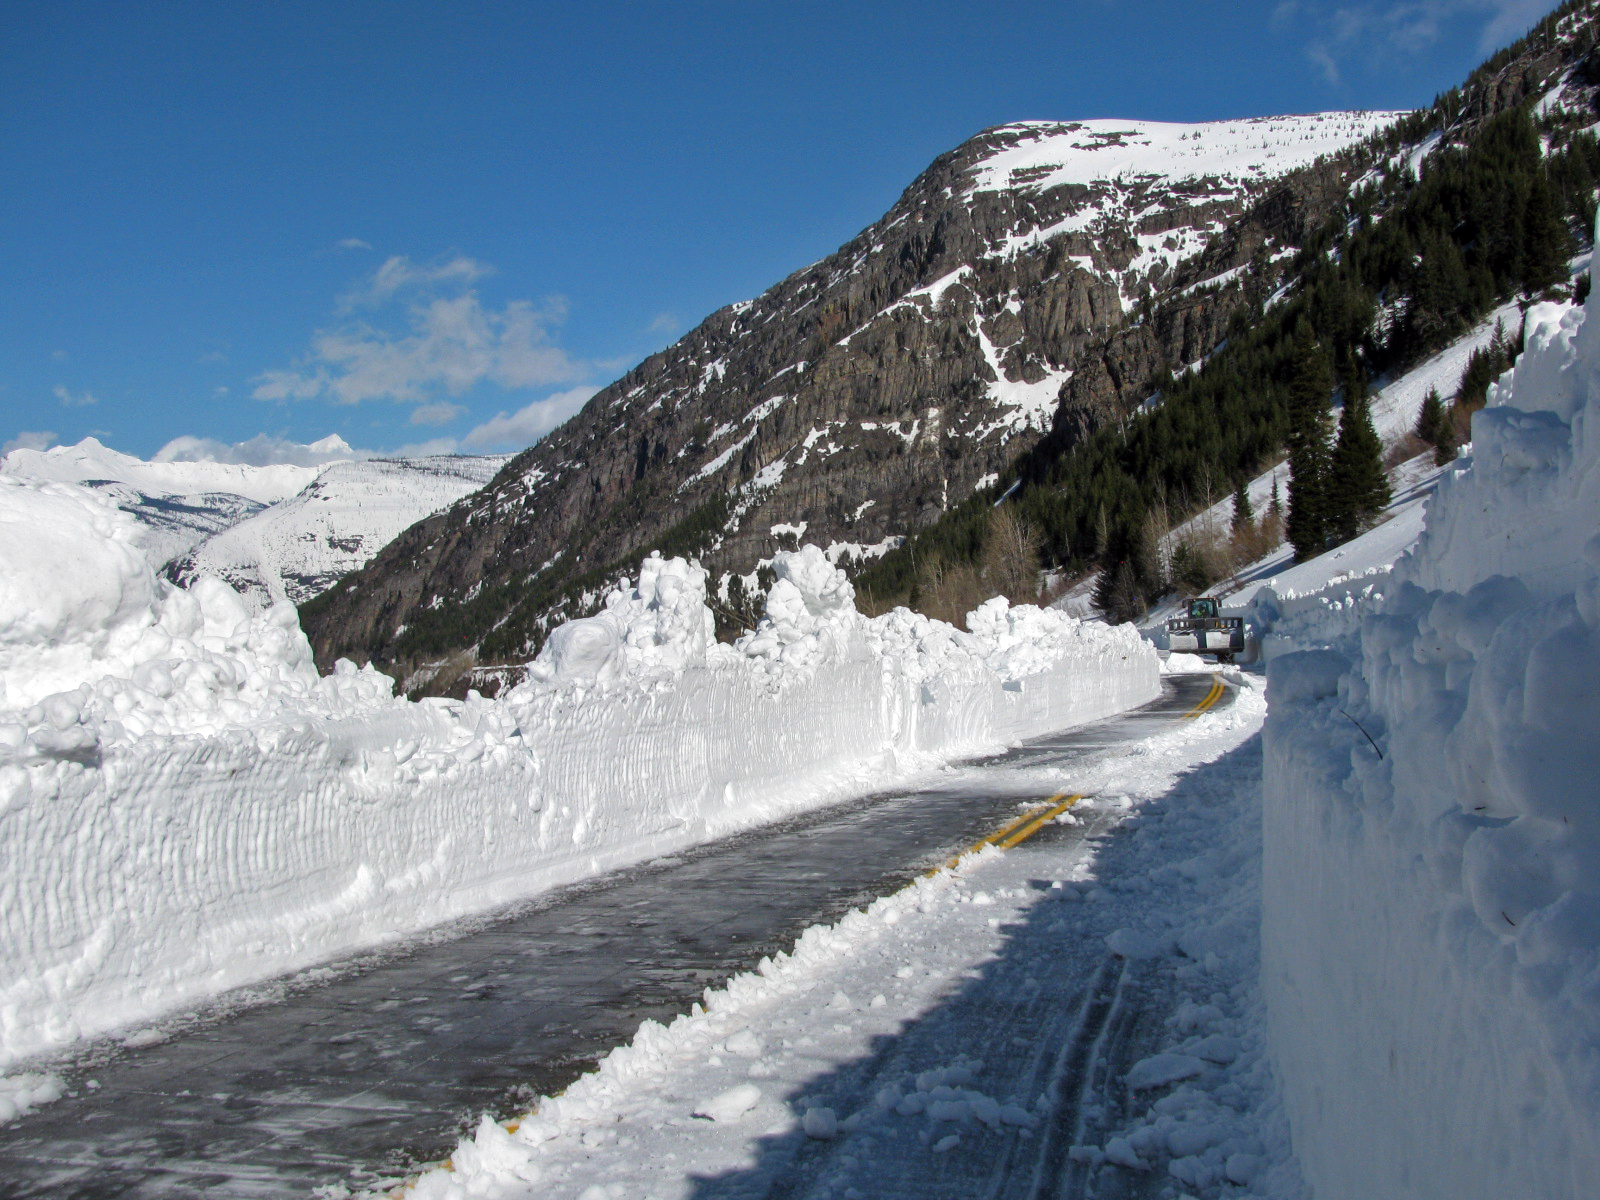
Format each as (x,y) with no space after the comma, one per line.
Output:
(299,547)
(857,400)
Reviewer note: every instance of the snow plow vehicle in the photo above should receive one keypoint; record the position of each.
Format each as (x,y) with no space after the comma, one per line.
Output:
(1204,630)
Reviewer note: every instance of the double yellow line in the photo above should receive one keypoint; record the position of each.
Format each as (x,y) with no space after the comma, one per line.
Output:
(1020,830)
(1211,697)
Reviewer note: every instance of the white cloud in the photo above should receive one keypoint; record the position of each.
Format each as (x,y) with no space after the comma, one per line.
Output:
(352,243)
(399,274)
(452,345)
(29,441)
(289,385)
(1318,53)
(528,424)
(74,399)
(436,414)
(427,449)
(1512,18)
(1372,31)
(263,450)
(663,323)
(443,342)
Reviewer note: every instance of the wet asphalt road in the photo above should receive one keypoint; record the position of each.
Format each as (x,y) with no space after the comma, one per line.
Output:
(357,1080)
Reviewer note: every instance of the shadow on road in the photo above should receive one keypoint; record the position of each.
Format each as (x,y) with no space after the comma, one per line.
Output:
(1051,1023)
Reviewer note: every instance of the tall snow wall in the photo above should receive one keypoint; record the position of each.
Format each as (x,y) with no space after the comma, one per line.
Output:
(1431,929)
(185,806)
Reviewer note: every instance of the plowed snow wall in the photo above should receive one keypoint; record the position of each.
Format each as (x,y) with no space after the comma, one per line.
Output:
(180,867)
(1431,906)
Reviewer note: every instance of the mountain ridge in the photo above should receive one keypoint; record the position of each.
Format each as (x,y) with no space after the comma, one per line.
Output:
(860,397)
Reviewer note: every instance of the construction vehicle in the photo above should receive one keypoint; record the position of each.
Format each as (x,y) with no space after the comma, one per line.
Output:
(1204,630)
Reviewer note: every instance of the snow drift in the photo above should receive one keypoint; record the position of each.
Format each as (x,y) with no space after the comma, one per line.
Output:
(186,806)
(1431,938)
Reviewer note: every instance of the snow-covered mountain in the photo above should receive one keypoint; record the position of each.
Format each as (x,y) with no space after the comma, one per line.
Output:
(276,531)
(300,546)
(91,462)
(178,504)
(860,398)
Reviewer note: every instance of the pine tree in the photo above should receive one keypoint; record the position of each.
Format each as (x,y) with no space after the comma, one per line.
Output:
(1431,418)
(1448,446)
(1189,574)
(1243,516)
(1357,489)
(1309,389)
(1116,593)
(1546,244)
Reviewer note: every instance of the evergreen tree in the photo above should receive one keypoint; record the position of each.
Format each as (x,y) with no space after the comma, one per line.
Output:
(1275,505)
(1357,487)
(1116,593)
(1431,418)
(1309,390)
(1243,516)
(1546,244)
(1448,446)
(1189,575)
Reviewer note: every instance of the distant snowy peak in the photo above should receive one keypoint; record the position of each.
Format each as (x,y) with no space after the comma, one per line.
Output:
(276,530)
(91,462)
(300,547)
(1038,156)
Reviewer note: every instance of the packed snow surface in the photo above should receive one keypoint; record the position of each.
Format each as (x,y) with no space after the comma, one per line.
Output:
(1431,934)
(231,815)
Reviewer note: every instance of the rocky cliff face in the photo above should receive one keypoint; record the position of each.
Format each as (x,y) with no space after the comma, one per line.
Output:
(859,398)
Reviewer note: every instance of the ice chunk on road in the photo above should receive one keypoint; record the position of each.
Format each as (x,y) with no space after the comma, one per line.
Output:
(731,1104)
(820,1123)
(1161,1069)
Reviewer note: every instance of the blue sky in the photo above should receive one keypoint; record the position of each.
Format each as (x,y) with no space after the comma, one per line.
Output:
(445,224)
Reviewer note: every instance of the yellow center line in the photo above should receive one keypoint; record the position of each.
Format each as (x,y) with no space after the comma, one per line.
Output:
(1211,697)
(1015,832)
(1040,821)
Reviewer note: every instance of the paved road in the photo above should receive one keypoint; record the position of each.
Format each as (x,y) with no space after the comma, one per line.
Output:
(356,1080)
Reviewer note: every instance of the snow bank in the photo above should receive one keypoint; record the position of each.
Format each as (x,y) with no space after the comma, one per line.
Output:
(185,806)
(1431,938)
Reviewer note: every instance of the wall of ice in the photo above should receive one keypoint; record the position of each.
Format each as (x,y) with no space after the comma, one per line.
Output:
(186,806)
(1431,937)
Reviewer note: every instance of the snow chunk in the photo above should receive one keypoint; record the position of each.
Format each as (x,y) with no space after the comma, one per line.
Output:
(20,1094)
(661,626)
(734,1104)
(1161,1069)
(810,610)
